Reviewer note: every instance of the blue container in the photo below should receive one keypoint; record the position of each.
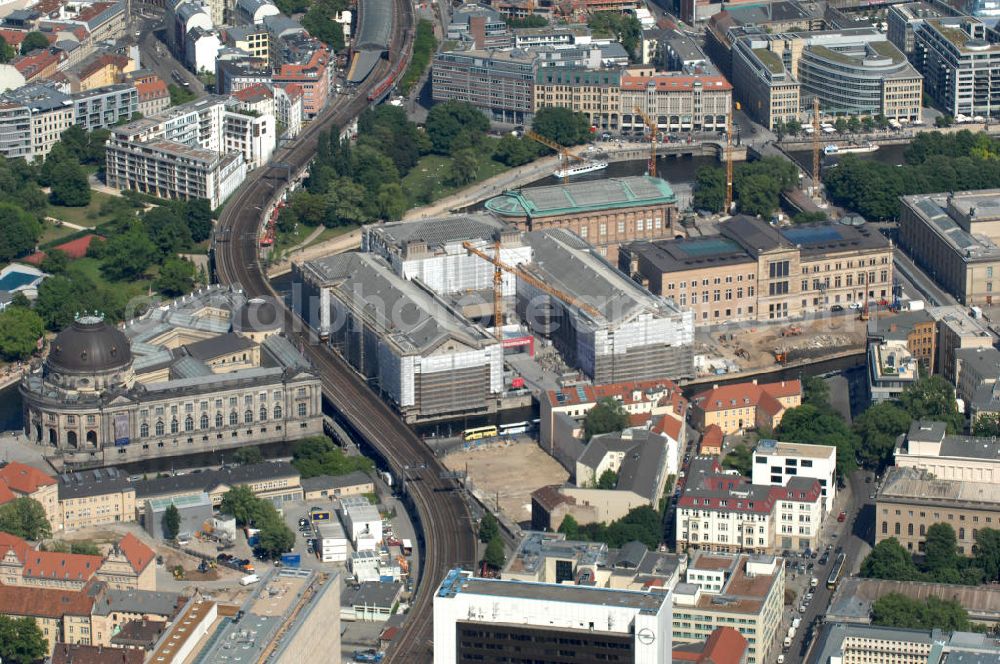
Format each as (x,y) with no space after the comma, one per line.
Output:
(291,559)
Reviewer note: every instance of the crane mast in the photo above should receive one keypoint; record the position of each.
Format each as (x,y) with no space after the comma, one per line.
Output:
(816,130)
(653,132)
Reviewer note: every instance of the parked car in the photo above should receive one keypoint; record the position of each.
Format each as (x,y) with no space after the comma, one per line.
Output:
(837,307)
(854,306)
(842,517)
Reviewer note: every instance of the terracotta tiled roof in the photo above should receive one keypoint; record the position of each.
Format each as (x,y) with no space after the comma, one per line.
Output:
(6,495)
(724,645)
(253,93)
(670,426)
(139,555)
(672,83)
(45,602)
(13,37)
(64,566)
(744,395)
(152,90)
(23,478)
(711,438)
(20,547)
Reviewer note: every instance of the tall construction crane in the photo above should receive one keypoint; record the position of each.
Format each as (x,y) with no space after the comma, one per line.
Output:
(500,266)
(816,130)
(564,154)
(729,163)
(654,130)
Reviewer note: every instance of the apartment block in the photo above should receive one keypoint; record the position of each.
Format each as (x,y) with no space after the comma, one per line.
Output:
(745,592)
(776,463)
(917,329)
(741,406)
(306,62)
(891,369)
(103,107)
(957,329)
(755,271)
(500,83)
(960,64)
(475,618)
(595,93)
(676,101)
(18,480)
(978,381)
(853,643)
(903,19)
(854,72)
(911,500)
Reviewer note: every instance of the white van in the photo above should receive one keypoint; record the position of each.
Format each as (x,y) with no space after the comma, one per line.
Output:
(249,579)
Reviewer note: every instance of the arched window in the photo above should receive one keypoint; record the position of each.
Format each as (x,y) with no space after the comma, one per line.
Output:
(189,423)
(923,530)
(885,528)
(248,417)
(277,412)
(897,528)
(302,410)
(204,421)
(174,426)
(159,427)
(263,414)
(144,430)
(218,420)
(234,419)
(961,533)
(909,529)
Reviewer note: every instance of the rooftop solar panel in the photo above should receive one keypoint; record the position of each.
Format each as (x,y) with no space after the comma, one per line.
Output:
(812,235)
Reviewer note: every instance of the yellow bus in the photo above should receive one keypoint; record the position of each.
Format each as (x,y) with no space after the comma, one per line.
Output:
(478,433)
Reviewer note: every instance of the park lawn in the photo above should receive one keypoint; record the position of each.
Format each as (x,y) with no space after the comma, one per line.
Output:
(82,216)
(52,232)
(91,267)
(431,174)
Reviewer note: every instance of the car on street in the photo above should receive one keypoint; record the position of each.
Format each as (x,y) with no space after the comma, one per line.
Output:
(842,517)
(854,306)
(837,307)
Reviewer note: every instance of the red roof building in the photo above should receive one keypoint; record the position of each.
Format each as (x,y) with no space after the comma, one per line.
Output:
(740,406)
(711,441)
(23,478)
(724,645)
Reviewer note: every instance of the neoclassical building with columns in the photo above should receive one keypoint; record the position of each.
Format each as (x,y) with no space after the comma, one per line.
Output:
(209,372)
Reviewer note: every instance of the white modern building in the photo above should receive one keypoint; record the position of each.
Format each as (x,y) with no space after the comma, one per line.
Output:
(775,463)
(362,520)
(253,12)
(929,446)
(490,619)
(365,566)
(891,369)
(960,63)
(331,542)
(201,48)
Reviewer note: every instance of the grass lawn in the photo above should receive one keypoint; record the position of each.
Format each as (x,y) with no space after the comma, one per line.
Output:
(82,216)
(91,267)
(285,241)
(432,172)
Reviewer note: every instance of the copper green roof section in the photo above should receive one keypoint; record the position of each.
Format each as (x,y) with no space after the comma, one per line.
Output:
(577,76)
(584,196)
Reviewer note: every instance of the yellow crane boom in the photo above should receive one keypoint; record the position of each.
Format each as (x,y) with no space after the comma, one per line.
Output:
(540,285)
(564,154)
(654,130)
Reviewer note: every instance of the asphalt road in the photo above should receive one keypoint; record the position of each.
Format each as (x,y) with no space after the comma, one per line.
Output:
(155,55)
(921,282)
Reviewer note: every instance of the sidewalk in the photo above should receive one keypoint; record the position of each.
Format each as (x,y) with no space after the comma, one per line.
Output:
(334,245)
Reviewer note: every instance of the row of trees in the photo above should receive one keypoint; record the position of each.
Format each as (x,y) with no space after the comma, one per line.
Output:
(317,455)
(489,534)
(934,162)
(941,563)
(896,610)
(275,536)
(318,20)
(643,524)
(843,125)
(757,186)
(424,46)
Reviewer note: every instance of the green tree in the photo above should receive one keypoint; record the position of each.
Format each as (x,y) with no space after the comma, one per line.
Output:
(445,122)
(943,121)
(933,398)
(320,24)
(171,521)
(896,610)
(987,554)
(21,641)
(198,216)
(513,151)
(489,528)
(69,186)
(889,560)
(809,424)
(878,428)
(317,455)
(494,556)
(177,277)
(570,528)
(7,52)
(55,262)
(84,547)
(247,456)
(853,124)
(626,28)
(709,189)
(275,537)
(940,549)
(793,127)
(562,125)
(464,167)
(241,503)
(33,41)
(739,459)
(25,518)
(424,46)
(179,95)
(987,424)
(168,230)
(815,392)
(19,231)
(606,416)
(20,330)
(840,124)
(129,254)
(608,480)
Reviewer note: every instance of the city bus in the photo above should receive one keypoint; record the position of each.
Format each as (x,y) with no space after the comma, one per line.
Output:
(478,433)
(836,571)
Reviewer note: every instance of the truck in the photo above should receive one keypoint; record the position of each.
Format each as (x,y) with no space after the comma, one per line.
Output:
(249,579)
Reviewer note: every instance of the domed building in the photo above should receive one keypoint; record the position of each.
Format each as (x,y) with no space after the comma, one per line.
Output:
(206,372)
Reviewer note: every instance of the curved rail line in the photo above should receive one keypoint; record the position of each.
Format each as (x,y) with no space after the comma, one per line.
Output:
(442,518)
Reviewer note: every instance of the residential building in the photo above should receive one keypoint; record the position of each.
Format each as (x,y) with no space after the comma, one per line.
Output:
(254,40)
(746,592)
(288,109)
(911,500)
(902,19)
(740,406)
(481,26)
(476,617)
(605,324)
(978,371)
(63,615)
(233,75)
(953,236)
(917,329)
(848,642)
(606,213)
(712,441)
(153,97)
(113,396)
(724,644)
(18,480)
(89,498)
(499,83)
(33,119)
(855,72)
(775,463)
(433,364)
(754,271)
(563,410)
(98,71)
(928,446)
(201,48)
(960,65)
(594,92)
(720,511)
(676,101)
(308,67)
(891,369)
(77,653)
(99,108)
(552,35)
(253,12)
(250,130)
(957,330)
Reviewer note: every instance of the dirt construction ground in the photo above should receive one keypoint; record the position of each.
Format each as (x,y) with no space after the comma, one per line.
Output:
(514,470)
